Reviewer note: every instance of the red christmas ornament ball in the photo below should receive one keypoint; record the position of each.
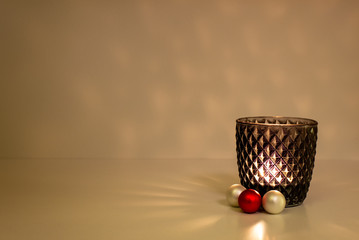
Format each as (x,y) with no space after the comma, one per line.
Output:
(249,201)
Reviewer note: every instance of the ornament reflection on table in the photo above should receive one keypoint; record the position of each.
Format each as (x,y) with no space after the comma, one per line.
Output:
(276,153)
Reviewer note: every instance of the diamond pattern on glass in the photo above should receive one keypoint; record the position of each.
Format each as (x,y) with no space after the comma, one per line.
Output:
(277,153)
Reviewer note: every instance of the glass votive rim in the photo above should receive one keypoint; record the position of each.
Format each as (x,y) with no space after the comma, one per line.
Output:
(277,121)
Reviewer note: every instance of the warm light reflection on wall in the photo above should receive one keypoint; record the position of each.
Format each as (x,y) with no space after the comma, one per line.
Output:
(140,79)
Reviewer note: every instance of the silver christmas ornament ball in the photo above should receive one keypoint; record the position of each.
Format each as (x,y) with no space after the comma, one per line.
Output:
(233,193)
(273,202)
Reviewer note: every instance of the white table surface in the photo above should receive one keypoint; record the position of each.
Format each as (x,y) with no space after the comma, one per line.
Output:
(163,199)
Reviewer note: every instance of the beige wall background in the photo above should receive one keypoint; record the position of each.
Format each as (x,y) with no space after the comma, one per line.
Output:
(167,79)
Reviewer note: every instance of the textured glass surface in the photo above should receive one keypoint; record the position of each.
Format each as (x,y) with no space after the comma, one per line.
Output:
(277,153)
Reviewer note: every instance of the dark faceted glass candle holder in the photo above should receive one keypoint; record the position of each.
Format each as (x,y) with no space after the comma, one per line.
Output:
(277,153)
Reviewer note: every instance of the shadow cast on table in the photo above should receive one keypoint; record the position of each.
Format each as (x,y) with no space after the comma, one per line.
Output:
(195,204)
(261,224)
(217,182)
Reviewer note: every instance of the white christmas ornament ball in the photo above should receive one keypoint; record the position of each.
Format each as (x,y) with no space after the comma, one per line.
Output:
(273,202)
(233,193)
